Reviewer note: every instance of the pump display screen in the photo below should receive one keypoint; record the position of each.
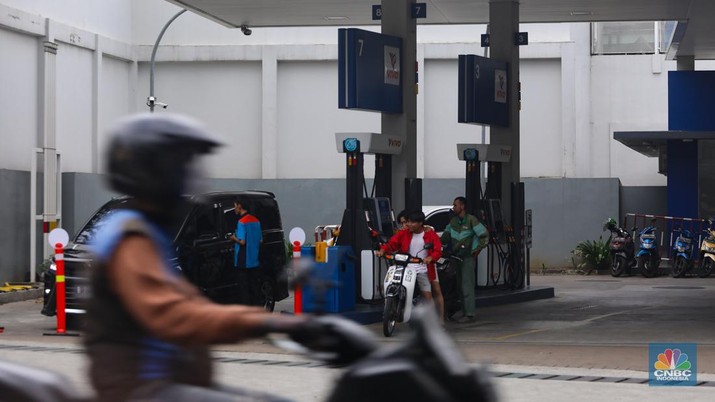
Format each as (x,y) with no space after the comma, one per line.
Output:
(379,212)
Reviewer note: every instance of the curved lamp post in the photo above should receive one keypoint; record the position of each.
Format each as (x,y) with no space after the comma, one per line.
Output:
(151,100)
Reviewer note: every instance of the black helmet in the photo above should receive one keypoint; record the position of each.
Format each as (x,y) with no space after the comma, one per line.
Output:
(609,224)
(149,155)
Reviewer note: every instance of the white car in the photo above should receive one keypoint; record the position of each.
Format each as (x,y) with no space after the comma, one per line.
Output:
(437,216)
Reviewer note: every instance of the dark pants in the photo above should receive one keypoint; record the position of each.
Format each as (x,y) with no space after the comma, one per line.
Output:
(249,286)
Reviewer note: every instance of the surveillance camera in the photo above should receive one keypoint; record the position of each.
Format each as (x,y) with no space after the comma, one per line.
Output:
(151,102)
(246,30)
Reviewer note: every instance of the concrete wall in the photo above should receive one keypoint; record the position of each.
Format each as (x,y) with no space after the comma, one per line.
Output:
(566,212)
(15,225)
(651,200)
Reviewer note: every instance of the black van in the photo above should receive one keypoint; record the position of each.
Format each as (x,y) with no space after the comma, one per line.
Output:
(203,249)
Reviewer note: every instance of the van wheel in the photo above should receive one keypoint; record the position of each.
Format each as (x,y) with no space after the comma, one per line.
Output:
(268,301)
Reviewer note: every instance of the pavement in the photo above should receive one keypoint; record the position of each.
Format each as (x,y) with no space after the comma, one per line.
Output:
(588,343)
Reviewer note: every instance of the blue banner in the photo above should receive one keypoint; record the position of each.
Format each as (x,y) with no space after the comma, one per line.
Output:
(369,71)
(483,91)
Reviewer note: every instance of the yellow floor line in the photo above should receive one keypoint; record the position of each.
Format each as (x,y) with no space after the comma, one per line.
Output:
(531,331)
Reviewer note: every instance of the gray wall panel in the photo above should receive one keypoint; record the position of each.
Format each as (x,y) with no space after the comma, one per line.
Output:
(15,224)
(565,211)
(644,200)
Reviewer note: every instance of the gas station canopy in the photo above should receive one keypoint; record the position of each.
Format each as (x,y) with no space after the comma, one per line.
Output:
(653,143)
(694,36)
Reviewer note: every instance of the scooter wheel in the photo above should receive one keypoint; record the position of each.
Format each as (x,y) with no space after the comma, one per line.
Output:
(679,267)
(389,316)
(706,268)
(647,267)
(618,266)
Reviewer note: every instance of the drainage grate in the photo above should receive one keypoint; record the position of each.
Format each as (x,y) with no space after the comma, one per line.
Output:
(310,364)
(566,377)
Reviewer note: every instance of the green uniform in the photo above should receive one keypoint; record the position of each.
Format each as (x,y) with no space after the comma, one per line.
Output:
(465,236)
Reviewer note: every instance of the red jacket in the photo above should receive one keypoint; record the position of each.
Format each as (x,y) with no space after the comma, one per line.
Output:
(401,242)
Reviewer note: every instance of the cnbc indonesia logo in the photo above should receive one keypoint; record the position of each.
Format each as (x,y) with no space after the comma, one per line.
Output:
(673,366)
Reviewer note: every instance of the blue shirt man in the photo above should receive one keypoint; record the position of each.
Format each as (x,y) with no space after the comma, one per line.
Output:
(248,238)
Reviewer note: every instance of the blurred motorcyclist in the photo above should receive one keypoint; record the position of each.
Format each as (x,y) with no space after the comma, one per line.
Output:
(148,329)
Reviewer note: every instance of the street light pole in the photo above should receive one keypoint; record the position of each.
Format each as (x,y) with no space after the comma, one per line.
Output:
(151,100)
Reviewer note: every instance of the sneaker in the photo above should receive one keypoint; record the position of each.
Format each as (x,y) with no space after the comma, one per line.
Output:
(466,319)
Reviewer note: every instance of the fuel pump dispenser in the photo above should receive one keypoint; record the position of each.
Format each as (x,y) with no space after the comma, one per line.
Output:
(368,218)
(494,268)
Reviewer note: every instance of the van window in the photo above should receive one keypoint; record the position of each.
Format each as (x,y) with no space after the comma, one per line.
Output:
(96,223)
(264,208)
(206,223)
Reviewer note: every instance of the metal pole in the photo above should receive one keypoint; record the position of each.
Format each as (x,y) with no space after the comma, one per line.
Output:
(152,100)
(33,215)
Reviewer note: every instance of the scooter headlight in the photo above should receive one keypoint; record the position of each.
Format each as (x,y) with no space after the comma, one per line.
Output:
(680,248)
(647,245)
(708,249)
(401,257)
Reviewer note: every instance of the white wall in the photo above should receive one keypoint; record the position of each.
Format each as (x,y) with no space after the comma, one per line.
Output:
(628,93)
(541,114)
(116,98)
(18,99)
(308,118)
(226,96)
(276,105)
(74,108)
(110,18)
(441,130)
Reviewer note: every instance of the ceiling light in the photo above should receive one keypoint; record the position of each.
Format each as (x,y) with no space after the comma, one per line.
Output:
(336,18)
(580,13)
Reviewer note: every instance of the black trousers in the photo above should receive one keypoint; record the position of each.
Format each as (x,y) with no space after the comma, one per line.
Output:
(249,286)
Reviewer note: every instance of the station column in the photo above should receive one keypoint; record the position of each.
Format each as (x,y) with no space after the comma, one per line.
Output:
(397,20)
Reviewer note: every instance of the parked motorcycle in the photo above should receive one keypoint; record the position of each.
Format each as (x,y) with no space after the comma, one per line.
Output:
(621,248)
(426,367)
(682,253)
(707,252)
(399,285)
(447,267)
(648,256)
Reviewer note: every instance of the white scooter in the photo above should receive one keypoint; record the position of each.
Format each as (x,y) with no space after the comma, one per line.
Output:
(399,285)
